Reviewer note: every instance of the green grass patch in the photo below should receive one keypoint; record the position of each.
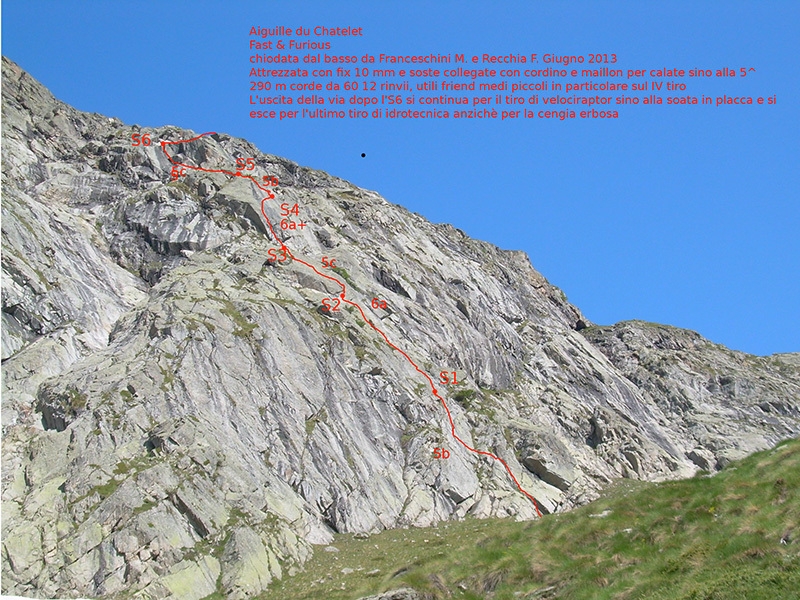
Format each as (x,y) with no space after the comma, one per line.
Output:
(707,537)
(77,400)
(341,271)
(464,397)
(242,326)
(144,507)
(169,378)
(106,489)
(311,422)
(310,425)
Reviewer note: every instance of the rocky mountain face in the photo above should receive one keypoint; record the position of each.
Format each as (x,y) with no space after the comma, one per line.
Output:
(182,415)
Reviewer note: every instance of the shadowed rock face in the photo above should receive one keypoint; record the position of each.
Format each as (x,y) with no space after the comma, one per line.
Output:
(180,418)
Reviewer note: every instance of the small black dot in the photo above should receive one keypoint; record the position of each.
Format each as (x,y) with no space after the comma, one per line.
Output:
(363,154)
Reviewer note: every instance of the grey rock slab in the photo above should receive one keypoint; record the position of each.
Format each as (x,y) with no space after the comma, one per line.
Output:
(180,416)
(248,566)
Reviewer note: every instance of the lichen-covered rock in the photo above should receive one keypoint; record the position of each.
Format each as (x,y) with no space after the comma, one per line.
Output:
(255,565)
(181,418)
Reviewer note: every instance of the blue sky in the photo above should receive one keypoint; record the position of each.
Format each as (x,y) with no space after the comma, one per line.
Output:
(681,215)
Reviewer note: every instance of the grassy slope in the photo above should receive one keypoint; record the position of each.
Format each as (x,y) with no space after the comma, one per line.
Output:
(706,537)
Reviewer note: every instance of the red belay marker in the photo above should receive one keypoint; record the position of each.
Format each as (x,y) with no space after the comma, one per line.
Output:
(342,297)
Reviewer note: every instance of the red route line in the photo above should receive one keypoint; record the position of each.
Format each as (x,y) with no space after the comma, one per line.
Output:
(342,295)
